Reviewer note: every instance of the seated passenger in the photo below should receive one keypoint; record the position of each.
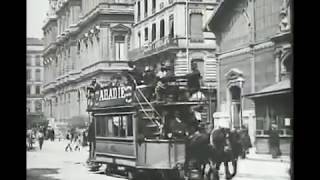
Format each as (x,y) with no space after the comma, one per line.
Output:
(177,128)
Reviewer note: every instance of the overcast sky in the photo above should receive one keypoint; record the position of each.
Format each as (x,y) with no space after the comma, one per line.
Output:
(36,14)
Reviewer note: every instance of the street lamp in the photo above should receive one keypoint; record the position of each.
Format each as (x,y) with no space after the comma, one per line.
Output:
(187,35)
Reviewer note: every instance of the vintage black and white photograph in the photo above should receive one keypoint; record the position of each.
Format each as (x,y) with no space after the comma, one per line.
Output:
(159,90)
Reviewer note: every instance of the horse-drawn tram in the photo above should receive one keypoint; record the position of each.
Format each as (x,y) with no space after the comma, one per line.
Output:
(140,135)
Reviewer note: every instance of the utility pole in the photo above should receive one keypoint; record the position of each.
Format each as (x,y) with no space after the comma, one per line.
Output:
(187,35)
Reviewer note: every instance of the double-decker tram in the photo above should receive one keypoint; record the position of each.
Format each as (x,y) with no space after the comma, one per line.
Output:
(139,135)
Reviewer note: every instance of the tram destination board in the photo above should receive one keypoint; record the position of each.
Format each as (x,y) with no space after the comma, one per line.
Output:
(113,96)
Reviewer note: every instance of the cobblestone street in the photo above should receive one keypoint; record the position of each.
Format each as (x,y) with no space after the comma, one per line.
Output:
(53,163)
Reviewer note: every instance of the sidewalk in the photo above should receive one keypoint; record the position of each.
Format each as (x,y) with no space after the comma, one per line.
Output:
(266,157)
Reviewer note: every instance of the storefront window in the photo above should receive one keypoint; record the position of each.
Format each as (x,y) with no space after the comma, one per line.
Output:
(114,126)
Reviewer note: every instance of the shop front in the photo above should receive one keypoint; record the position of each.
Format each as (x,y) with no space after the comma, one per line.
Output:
(274,106)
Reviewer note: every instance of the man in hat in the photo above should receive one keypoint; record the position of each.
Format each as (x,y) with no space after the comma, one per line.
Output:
(274,141)
(194,79)
(134,74)
(149,76)
(161,80)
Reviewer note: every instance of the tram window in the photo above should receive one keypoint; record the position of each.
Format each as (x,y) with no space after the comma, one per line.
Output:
(129,126)
(114,126)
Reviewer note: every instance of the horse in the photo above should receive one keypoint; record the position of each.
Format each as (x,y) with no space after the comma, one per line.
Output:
(226,148)
(213,148)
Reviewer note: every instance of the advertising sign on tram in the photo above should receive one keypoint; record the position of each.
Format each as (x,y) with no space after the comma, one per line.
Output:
(116,93)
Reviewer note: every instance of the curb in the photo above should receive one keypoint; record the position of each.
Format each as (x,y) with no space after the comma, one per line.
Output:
(280,160)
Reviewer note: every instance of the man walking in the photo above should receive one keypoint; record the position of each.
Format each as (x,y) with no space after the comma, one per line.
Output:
(40,138)
(69,139)
(274,142)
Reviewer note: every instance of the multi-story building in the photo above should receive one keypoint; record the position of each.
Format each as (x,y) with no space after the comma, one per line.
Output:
(34,81)
(255,63)
(83,39)
(159,35)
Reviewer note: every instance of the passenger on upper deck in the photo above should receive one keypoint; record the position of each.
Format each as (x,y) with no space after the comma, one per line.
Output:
(149,76)
(161,82)
(194,79)
(134,73)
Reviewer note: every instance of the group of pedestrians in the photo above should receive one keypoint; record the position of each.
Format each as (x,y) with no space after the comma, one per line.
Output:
(75,140)
(34,134)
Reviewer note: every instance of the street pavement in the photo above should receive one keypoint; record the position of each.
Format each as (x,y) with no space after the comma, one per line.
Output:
(53,163)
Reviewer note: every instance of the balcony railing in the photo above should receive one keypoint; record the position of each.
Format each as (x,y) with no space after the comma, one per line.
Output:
(155,46)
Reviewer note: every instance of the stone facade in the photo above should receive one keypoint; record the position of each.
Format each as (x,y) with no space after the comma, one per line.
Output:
(83,39)
(35,78)
(167,43)
(245,31)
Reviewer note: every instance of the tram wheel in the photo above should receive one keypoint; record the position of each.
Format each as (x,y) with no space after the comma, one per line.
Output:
(108,170)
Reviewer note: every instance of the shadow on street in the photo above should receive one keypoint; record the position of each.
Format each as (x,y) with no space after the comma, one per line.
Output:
(41,173)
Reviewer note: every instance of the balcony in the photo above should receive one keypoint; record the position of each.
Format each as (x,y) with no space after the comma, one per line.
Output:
(108,66)
(153,47)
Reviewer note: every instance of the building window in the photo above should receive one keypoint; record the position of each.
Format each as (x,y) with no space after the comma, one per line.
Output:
(28,90)
(114,126)
(38,106)
(145,8)
(28,106)
(171,26)
(162,28)
(139,39)
(146,34)
(154,31)
(29,61)
(195,27)
(153,6)
(29,77)
(38,61)
(139,11)
(38,90)
(38,75)
(120,49)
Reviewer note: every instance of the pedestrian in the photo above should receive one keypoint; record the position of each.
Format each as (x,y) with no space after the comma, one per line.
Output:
(245,142)
(40,136)
(69,139)
(52,134)
(274,141)
(84,140)
(77,143)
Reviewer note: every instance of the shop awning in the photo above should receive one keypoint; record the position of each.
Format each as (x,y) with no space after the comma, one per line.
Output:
(281,87)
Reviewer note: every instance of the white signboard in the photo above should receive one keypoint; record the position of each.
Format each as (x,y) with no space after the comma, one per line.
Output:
(287,121)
